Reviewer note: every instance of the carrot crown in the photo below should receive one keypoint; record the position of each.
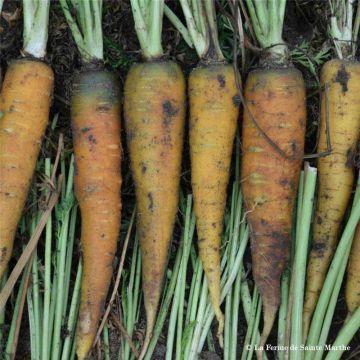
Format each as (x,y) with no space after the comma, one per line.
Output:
(344,30)
(148,18)
(267,18)
(36,20)
(201,31)
(86,27)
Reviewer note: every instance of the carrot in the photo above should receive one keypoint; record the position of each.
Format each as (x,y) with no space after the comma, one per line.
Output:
(154,108)
(95,121)
(214,110)
(340,82)
(275,99)
(25,102)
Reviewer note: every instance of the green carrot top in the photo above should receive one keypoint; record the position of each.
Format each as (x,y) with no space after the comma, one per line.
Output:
(201,31)
(267,19)
(148,17)
(36,20)
(86,27)
(344,27)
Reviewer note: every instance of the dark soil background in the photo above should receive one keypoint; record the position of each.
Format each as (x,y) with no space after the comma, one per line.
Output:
(305,23)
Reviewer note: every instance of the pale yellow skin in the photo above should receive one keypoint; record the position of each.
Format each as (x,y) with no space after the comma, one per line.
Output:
(214,110)
(336,171)
(154,119)
(352,292)
(25,101)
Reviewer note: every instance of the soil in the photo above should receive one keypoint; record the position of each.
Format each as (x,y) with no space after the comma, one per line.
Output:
(305,21)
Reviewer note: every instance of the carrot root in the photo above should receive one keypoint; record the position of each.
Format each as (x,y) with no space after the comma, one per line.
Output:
(214,110)
(95,115)
(276,99)
(154,118)
(340,82)
(25,101)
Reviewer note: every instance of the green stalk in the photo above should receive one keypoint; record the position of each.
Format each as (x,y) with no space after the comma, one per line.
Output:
(246,303)
(187,247)
(32,326)
(201,27)
(61,261)
(137,289)
(345,335)
(131,302)
(148,26)
(267,19)
(193,354)
(165,305)
(333,300)
(194,26)
(106,342)
(176,311)
(228,299)
(235,316)
(229,280)
(36,20)
(69,253)
(251,324)
(51,315)
(73,311)
(194,295)
(47,282)
(254,331)
(299,269)
(285,283)
(340,256)
(356,29)
(331,309)
(178,25)
(87,32)
(341,28)
(36,303)
(15,313)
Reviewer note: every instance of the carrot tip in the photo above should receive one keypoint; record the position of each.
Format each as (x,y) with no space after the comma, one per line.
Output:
(145,346)
(306,325)
(269,319)
(220,333)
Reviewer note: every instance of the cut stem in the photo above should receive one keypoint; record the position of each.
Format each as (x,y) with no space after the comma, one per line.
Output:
(148,17)
(342,31)
(267,18)
(201,28)
(87,31)
(36,20)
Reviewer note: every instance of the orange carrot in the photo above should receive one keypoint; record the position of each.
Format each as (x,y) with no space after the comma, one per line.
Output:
(95,120)
(95,116)
(154,108)
(276,99)
(154,118)
(25,101)
(339,121)
(214,110)
(24,111)
(273,144)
